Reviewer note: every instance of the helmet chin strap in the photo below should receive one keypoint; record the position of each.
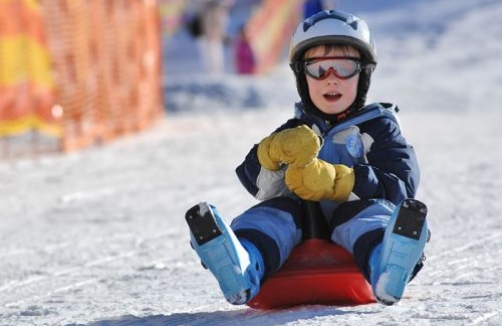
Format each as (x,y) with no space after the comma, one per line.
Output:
(331,118)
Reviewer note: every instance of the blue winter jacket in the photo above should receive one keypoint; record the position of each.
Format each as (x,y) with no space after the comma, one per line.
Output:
(371,142)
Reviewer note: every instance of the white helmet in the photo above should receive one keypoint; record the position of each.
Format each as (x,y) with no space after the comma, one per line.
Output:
(333,27)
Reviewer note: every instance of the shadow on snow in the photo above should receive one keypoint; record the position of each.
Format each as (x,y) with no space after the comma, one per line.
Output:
(244,317)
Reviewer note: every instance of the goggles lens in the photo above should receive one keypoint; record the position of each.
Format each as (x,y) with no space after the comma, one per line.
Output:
(342,67)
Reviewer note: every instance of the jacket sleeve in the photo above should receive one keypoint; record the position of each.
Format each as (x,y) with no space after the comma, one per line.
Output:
(248,171)
(392,171)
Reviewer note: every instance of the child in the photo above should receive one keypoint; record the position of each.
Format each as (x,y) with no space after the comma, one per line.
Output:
(348,156)
(244,56)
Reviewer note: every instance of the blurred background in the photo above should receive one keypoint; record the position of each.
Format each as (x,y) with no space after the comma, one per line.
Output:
(79,73)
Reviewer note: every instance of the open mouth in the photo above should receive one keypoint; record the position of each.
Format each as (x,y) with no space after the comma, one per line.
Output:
(332,96)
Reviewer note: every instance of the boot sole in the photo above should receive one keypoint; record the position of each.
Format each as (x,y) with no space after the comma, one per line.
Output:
(403,245)
(216,247)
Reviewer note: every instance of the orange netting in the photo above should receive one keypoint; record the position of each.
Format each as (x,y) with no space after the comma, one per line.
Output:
(26,85)
(94,70)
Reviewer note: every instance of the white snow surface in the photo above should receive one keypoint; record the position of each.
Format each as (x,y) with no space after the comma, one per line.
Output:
(98,237)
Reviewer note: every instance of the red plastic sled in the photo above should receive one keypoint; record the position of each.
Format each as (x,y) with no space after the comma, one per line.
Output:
(317,272)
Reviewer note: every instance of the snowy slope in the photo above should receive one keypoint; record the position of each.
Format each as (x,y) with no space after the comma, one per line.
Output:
(98,237)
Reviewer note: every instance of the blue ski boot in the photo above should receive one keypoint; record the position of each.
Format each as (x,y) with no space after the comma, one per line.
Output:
(393,261)
(238,266)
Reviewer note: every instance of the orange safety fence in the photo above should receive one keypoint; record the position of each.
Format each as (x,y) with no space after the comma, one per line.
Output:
(27,88)
(270,30)
(102,68)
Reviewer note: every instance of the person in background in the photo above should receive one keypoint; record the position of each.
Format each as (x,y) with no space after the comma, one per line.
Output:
(245,61)
(214,23)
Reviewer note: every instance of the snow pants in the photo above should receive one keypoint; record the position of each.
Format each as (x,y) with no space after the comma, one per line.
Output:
(275,227)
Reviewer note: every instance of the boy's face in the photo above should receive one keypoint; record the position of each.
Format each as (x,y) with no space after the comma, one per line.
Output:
(332,94)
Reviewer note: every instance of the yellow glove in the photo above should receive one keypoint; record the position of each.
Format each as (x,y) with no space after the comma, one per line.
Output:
(296,146)
(321,180)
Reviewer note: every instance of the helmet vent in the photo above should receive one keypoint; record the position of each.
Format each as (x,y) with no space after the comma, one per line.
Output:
(330,14)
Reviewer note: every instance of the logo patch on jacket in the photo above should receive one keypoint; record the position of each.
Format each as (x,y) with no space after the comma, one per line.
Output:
(354,145)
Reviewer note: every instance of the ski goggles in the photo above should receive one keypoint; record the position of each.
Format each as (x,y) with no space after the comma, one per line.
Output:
(342,67)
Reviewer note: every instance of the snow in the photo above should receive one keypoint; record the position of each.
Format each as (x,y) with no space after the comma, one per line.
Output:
(98,237)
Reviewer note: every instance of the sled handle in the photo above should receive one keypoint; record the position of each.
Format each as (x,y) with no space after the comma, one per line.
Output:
(314,222)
